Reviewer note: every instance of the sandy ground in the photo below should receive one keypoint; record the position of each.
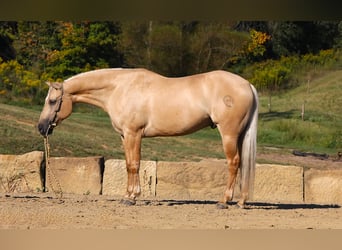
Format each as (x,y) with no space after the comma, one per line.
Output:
(89,212)
(44,211)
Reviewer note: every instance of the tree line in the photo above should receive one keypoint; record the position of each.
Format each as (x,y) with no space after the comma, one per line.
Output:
(34,52)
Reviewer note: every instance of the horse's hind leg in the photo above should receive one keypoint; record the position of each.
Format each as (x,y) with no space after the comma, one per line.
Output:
(132,146)
(231,150)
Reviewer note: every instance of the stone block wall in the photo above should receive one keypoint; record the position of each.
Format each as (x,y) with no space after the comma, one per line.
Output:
(205,180)
(75,175)
(278,183)
(191,180)
(323,186)
(21,173)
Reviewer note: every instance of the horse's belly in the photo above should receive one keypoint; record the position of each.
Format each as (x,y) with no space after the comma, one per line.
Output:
(176,122)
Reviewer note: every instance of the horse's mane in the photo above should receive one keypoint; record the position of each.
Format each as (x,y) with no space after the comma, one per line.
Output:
(90,72)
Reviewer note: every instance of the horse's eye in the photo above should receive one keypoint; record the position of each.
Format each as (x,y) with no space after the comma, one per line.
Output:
(52,102)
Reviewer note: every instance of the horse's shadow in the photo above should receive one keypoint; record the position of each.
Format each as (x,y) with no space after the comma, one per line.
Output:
(269,116)
(251,205)
(288,206)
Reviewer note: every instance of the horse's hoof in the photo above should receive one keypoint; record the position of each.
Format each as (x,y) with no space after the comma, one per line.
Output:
(128,202)
(221,205)
(240,205)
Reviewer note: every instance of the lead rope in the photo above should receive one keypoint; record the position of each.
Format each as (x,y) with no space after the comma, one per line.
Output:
(58,193)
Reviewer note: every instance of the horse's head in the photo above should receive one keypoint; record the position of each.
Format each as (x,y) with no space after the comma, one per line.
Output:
(57,107)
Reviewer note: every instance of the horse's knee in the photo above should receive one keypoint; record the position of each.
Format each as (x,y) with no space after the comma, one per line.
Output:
(133,168)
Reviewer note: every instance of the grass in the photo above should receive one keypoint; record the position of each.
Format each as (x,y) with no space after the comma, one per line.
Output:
(91,133)
(321,129)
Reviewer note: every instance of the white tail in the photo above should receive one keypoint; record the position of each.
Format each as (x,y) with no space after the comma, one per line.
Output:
(248,151)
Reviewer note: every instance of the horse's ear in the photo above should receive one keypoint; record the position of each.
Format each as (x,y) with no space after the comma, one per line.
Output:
(48,83)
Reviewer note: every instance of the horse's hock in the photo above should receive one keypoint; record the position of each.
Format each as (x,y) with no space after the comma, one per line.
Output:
(203,180)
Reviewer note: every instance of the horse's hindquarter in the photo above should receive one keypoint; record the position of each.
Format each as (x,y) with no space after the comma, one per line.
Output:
(231,99)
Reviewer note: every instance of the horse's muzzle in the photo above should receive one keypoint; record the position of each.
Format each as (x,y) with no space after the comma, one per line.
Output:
(45,129)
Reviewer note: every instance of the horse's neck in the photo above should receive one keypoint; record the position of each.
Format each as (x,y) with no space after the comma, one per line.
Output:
(88,91)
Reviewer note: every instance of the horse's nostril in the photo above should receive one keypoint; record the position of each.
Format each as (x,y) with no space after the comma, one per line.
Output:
(41,128)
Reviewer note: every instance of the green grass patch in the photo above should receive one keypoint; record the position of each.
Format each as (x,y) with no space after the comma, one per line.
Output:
(321,128)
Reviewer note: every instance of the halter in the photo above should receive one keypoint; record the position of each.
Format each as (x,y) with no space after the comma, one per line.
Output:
(58,106)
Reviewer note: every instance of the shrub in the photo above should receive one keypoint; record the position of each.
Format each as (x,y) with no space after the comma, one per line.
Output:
(18,83)
(275,75)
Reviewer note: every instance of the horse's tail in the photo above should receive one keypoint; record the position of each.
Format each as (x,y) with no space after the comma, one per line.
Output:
(248,149)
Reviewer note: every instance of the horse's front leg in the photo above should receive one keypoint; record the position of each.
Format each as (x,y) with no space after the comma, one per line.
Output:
(132,147)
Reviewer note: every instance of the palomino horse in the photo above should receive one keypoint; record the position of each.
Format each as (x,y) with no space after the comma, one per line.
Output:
(141,103)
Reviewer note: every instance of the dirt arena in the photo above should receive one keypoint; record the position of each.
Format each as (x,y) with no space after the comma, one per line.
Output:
(99,212)
(45,211)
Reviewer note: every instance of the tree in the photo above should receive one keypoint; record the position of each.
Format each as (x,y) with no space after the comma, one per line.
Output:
(157,46)
(135,43)
(338,39)
(84,46)
(20,75)
(16,82)
(101,43)
(33,44)
(166,49)
(214,44)
(180,48)
(256,48)
(7,35)
(289,38)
